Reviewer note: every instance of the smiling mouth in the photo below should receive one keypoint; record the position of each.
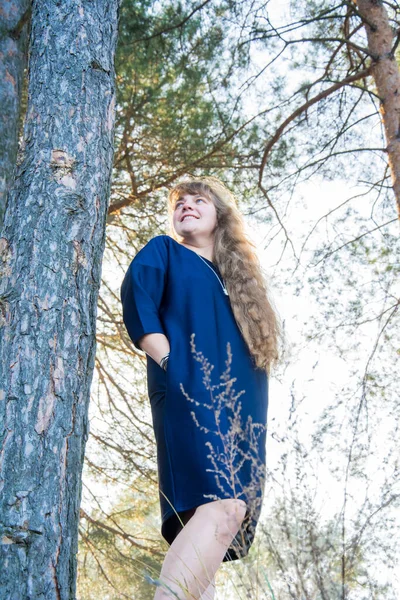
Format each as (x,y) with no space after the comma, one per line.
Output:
(188,217)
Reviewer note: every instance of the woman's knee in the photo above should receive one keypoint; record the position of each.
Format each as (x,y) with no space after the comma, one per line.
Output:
(235,508)
(228,515)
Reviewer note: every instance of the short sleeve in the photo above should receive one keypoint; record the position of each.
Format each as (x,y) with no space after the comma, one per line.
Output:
(142,290)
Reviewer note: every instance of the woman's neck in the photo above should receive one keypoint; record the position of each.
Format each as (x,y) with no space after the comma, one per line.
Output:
(205,250)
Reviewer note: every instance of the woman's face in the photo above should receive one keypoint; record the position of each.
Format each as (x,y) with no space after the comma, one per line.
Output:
(194,216)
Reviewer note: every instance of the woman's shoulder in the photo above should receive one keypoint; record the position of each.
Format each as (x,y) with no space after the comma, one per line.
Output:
(156,248)
(158,240)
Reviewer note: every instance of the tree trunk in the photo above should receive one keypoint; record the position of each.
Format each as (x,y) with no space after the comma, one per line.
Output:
(386,74)
(14,25)
(51,250)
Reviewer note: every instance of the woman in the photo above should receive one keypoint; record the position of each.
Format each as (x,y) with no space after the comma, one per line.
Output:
(196,303)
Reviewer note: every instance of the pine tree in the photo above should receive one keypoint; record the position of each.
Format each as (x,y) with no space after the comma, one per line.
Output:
(51,247)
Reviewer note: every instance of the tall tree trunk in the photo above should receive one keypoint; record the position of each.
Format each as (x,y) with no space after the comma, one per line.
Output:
(386,74)
(14,25)
(51,250)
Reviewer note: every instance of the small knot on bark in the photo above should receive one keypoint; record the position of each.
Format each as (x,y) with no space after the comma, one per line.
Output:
(16,534)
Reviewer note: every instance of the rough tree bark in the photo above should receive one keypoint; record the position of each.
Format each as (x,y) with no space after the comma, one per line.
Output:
(14,25)
(51,250)
(385,71)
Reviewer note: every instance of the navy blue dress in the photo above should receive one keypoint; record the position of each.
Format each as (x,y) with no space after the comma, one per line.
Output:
(209,408)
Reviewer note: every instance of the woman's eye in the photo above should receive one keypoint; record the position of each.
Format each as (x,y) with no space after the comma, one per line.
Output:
(178,204)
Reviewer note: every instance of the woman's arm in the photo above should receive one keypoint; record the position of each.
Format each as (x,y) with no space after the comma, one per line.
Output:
(156,345)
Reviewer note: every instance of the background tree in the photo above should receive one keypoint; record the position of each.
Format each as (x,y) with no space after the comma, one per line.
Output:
(51,249)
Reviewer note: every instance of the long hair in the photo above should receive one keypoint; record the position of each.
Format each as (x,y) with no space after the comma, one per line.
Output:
(235,255)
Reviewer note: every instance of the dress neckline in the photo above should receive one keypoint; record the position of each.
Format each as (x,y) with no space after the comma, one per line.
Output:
(193,252)
(208,264)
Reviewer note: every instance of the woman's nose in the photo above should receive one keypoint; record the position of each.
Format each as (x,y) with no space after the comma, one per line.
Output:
(186,204)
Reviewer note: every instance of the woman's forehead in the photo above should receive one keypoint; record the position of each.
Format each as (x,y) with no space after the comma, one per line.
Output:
(191,189)
(183,195)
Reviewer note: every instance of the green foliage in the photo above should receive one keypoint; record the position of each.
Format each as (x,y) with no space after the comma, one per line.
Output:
(170,81)
(117,551)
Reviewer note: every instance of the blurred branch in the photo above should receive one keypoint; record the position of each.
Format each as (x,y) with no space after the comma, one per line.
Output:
(303,108)
(171,27)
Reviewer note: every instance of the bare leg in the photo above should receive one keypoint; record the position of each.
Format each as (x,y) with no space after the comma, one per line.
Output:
(210,591)
(197,551)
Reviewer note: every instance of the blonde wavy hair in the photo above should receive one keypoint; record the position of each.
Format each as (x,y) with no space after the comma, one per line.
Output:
(235,255)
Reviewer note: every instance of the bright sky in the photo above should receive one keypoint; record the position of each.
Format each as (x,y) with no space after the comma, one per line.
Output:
(318,373)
